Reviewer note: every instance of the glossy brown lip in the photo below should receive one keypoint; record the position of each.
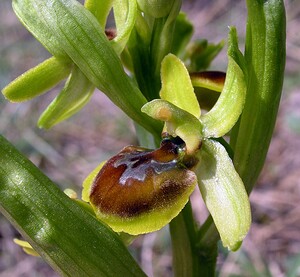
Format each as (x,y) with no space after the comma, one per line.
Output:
(138,180)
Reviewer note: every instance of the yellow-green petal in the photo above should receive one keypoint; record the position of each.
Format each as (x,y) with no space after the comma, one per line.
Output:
(177,86)
(225,113)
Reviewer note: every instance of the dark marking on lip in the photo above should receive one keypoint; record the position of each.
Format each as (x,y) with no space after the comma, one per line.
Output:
(139,180)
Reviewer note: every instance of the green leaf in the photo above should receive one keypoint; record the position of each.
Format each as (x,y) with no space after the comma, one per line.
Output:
(177,87)
(75,94)
(80,35)
(223,193)
(70,239)
(37,80)
(265,55)
(225,113)
(178,122)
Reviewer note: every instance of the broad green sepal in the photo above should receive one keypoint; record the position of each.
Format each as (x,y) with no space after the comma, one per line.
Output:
(178,122)
(177,87)
(37,80)
(224,194)
(73,97)
(225,113)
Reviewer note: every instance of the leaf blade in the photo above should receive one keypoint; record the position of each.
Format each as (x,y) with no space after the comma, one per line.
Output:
(55,225)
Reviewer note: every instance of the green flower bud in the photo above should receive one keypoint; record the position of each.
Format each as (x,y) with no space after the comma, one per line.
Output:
(156,8)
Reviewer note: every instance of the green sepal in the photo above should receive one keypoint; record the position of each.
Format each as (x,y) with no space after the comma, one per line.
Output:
(37,80)
(73,97)
(178,122)
(177,87)
(227,110)
(55,225)
(224,193)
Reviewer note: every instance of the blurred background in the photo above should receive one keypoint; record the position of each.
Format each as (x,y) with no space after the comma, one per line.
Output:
(70,150)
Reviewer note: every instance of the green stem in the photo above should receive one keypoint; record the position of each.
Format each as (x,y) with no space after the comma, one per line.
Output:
(139,52)
(182,235)
(187,259)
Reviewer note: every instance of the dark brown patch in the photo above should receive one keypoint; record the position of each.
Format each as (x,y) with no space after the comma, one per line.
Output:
(215,76)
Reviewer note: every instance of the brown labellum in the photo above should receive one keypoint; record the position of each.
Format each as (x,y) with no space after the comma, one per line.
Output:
(138,181)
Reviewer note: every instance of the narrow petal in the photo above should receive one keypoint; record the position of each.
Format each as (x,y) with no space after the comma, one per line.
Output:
(177,86)
(225,113)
